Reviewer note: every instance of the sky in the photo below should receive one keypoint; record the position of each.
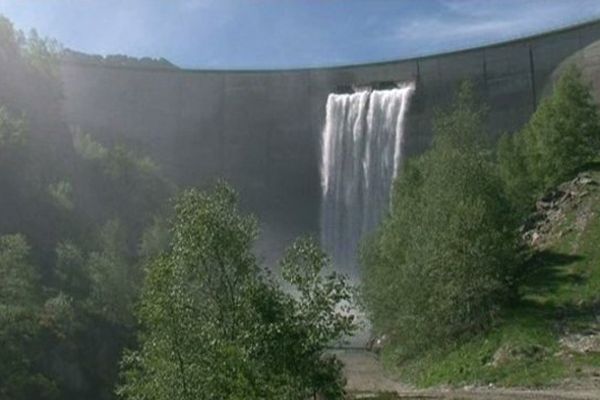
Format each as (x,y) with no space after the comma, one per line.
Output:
(273,34)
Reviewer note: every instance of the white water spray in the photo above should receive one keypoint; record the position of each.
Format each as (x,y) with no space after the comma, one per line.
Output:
(361,155)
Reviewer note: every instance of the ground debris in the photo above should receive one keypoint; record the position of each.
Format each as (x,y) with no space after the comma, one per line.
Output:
(545,222)
(582,342)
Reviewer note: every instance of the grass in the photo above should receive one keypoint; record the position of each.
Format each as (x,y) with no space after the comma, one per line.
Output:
(560,293)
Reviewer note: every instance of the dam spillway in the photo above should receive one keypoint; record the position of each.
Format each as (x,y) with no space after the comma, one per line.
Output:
(361,150)
(262,130)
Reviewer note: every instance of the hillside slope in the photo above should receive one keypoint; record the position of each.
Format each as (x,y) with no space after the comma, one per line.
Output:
(550,335)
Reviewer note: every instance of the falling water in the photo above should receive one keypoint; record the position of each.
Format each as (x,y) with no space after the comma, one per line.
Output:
(361,154)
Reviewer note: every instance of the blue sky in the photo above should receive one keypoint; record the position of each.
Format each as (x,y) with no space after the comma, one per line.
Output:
(234,34)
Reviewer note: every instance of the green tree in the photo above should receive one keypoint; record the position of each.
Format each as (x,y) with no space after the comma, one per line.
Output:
(19,325)
(72,274)
(56,190)
(214,325)
(12,130)
(514,172)
(13,146)
(155,239)
(19,280)
(61,194)
(442,262)
(129,187)
(114,278)
(59,316)
(319,312)
(42,54)
(561,136)
(10,40)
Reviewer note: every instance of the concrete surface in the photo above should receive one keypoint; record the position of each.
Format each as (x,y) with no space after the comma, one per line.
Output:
(261,129)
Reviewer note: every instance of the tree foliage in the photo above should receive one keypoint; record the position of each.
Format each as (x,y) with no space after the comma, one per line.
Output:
(81,209)
(19,324)
(561,136)
(12,130)
(42,54)
(442,261)
(114,278)
(214,325)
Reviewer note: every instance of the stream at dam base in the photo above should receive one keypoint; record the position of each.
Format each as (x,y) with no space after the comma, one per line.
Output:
(361,153)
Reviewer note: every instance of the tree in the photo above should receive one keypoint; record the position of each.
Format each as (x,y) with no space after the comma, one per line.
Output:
(42,54)
(18,284)
(56,190)
(129,186)
(72,275)
(12,130)
(318,314)
(19,326)
(215,325)
(442,261)
(561,136)
(9,39)
(114,279)
(519,184)
(155,239)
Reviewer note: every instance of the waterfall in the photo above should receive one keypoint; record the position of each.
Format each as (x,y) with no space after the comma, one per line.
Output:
(361,153)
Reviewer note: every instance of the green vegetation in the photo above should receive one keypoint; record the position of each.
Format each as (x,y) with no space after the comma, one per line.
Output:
(77,218)
(543,327)
(562,136)
(214,326)
(538,340)
(91,265)
(444,259)
(94,262)
(19,302)
(116,60)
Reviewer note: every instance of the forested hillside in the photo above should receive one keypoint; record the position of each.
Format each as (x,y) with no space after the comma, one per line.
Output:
(77,218)
(113,284)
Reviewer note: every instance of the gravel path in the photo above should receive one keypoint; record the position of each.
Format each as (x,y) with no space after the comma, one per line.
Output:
(365,374)
(366,377)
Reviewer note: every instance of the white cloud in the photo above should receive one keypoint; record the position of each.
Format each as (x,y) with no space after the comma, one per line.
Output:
(466,23)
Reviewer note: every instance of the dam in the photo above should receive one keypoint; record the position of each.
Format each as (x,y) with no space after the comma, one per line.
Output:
(263,131)
(361,150)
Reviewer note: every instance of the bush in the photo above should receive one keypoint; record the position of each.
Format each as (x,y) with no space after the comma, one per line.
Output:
(442,261)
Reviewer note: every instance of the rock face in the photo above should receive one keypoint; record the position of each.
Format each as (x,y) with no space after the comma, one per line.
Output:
(546,223)
(582,343)
(559,223)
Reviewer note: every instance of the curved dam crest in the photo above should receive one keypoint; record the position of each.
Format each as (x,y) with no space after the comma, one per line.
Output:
(261,130)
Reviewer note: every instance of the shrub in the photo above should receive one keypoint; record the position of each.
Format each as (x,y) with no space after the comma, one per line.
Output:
(442,261)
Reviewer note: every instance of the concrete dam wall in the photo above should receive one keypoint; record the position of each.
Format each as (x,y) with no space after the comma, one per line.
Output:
(260,130)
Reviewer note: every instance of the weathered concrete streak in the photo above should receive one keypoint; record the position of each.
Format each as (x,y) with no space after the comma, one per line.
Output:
(261,129)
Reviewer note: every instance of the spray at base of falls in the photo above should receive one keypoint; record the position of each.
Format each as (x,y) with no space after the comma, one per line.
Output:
(361,154)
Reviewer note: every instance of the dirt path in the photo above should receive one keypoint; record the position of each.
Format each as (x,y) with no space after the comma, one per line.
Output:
(365,374)
(366,377)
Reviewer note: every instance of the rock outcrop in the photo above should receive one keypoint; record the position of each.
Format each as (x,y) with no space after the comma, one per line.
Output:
(548,221)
